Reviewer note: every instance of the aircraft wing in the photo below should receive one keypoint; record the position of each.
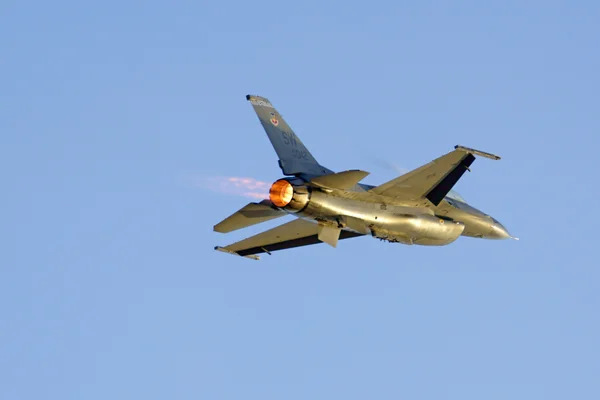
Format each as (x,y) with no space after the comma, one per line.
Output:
(296,233)
(434,180)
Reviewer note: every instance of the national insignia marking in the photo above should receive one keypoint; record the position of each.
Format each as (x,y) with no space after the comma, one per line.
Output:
(274,121)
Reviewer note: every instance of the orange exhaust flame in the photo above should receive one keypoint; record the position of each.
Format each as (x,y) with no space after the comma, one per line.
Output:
(281,193)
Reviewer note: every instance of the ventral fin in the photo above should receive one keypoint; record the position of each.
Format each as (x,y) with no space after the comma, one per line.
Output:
(329,235)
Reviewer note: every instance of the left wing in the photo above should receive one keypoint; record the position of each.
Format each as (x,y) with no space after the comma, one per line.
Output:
(296,233)
(432,181)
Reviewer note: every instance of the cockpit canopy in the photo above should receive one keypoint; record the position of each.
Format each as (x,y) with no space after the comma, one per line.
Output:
(455,196)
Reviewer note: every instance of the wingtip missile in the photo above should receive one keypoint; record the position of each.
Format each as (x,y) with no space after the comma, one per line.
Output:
(477,152)
(224,250)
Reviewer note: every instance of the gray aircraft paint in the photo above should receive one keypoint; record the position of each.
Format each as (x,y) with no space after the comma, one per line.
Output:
(294,157)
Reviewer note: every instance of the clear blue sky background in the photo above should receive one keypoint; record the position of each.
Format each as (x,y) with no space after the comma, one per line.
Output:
(110,287)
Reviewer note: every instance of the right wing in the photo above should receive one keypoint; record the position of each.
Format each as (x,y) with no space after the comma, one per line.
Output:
(296,233)
(434,180)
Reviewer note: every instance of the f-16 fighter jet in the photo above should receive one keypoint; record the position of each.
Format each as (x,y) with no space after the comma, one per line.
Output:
(417,208)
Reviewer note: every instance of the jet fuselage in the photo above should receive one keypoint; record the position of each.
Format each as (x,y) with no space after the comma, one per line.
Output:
(386,218)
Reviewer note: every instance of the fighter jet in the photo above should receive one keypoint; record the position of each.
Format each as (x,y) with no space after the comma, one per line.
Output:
(417,208)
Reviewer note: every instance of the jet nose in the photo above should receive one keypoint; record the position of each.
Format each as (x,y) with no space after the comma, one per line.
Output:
(498,231)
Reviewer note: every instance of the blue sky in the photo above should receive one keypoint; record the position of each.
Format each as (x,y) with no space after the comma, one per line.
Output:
(112,112)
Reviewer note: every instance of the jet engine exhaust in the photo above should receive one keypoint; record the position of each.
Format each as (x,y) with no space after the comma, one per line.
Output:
(290,194)
(281,193)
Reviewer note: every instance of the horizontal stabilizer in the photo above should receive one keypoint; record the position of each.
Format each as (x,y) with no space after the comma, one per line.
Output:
(342,180)
(251,214)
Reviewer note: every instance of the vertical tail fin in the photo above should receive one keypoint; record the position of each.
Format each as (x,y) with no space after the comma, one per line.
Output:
(294,157)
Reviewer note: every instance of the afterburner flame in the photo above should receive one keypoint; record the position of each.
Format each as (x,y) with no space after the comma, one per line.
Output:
(281,193)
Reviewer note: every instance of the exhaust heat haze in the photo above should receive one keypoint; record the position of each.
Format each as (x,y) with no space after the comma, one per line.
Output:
(238,186)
